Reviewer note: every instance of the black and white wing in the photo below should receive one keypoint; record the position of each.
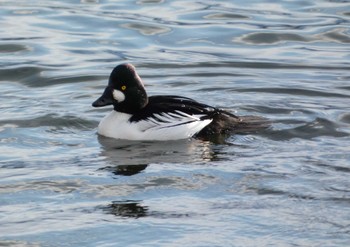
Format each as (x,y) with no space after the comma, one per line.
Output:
(171,117)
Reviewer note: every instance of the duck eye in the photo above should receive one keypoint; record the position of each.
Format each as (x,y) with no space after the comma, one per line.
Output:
(123,87)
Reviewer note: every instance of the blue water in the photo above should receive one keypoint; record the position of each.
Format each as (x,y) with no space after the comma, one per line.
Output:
(62,185)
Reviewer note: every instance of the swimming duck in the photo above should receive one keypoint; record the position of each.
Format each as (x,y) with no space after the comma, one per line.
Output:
(163,117)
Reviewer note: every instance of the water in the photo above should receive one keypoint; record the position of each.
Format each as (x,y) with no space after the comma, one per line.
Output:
(62,185)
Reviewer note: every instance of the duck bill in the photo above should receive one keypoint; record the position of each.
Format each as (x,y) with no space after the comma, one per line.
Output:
(105,99)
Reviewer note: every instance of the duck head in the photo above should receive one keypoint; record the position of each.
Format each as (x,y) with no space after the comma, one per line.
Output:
(125,90)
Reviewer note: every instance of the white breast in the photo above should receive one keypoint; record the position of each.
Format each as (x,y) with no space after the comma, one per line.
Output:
(171,126)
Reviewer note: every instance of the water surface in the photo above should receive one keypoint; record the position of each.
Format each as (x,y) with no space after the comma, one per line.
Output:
(62,185)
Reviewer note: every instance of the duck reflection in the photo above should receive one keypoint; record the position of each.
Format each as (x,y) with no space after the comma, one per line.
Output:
(135,209)
(127,209)
(125,170)
(131,157)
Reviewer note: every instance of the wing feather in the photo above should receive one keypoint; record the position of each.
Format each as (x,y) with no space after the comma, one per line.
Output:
(167,120)
(172,117)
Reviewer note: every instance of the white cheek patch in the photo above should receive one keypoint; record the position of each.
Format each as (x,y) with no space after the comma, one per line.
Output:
(118,95)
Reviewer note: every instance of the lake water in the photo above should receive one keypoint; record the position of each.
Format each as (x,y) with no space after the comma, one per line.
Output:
(289,185)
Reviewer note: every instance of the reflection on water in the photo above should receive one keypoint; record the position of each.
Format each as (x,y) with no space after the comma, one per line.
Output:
(287,185)
(132,209)
(124,152)
(131,157)
(306,130)
(136,209)
(125,170)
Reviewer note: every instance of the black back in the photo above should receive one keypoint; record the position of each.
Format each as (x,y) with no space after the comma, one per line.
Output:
(172,104)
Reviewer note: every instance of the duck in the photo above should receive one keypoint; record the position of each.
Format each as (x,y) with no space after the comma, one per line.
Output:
(139,117)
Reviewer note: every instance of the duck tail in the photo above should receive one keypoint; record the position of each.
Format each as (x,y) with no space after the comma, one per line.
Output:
(250,124)
(227,123)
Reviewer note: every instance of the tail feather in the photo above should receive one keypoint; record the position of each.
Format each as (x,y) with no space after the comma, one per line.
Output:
(228,123)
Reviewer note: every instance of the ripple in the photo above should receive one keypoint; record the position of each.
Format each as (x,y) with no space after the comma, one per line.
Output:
(52,120)
(147,29)
(63,186)
(20,73)
(295,91)
(34,76)
(225,16)
(13,243)
(10,48)
(345,118)
(337,35)
(316,128)
(149,1)
(211,66)
(272,38)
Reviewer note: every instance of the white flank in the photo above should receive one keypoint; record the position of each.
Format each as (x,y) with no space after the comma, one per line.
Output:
(166,126)
(118,95)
